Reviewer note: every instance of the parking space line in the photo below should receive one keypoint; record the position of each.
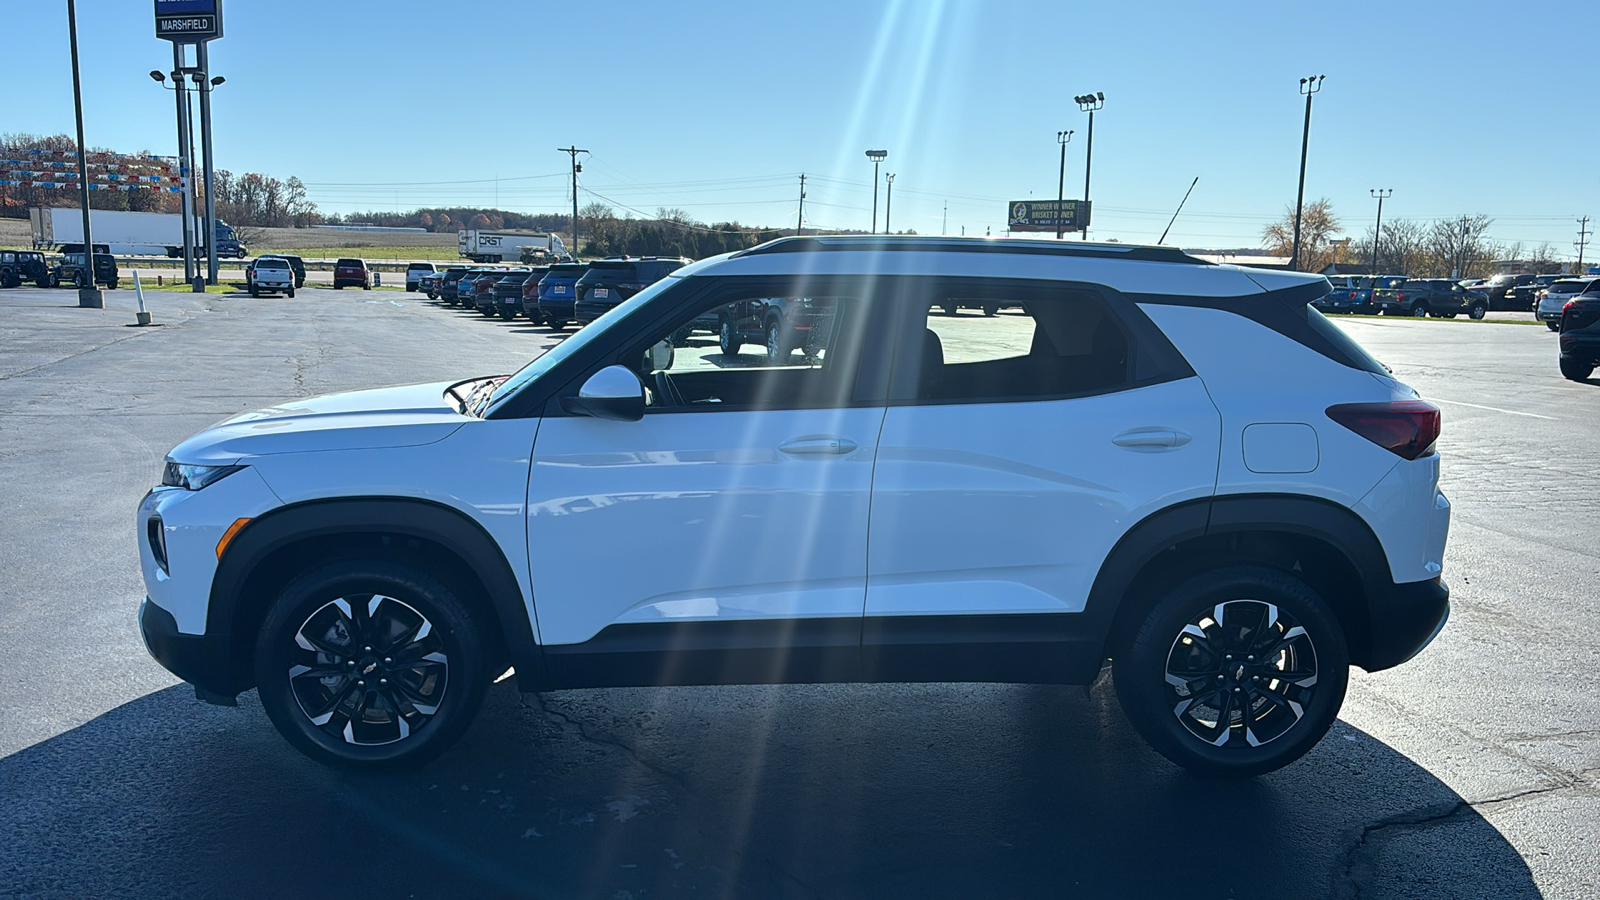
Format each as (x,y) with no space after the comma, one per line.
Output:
(1509,412)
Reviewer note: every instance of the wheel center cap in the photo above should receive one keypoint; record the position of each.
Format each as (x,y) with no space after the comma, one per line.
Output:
(370,667)
(1238,674)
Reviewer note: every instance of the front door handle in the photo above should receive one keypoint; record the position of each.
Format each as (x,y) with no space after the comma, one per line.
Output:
(824,446)
(1148,439)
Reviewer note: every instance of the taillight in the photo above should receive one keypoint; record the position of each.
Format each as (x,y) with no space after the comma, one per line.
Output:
(1406,428)
(1541,295)
(1565,305)
(1400,296)
(1352,295)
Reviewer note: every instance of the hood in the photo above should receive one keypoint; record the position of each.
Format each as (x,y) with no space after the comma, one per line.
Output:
(358,420)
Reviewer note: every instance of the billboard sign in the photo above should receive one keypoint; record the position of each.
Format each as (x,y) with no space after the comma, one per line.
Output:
(188,21)
(1047,215)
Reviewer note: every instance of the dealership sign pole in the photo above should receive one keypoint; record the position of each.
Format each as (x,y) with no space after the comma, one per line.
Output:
(196,22)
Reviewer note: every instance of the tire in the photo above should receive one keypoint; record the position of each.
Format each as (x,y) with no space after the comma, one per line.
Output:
(990,309)
(254,292)
(111,285)
(1477,311)
(11,280)
(557,324)
(1448,315)
(507,315)
(951,309)
(78,281)
(44,281)
(777,349)
(1419,310)
(291,293)
(337,286)
(331,605)
(1268,735)
(680,338)
(366,287)
(1553,326)
(1577,371)
(728,338)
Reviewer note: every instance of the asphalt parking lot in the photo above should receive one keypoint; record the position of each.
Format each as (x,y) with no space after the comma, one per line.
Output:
(1473,771)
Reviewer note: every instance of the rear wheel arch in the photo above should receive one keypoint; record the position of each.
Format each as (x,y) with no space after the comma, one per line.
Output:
(271,551)
(1326,545)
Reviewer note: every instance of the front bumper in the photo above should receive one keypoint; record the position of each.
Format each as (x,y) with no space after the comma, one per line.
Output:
(1404,619)
(200,659)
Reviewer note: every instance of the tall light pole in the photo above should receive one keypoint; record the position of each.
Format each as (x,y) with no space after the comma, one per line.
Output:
(185,156)
(1381,194)
(1089,103)
(1062,137)
(877,157)
(89,297)
(205,83)
(888,203)
(1308,87)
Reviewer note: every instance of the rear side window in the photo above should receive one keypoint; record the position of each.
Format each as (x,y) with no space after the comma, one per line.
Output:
(1355,354)
(991,345)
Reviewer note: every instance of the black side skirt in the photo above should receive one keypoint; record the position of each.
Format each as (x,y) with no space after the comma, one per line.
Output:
(1037,649)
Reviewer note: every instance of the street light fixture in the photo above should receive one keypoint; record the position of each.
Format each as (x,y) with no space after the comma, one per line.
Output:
(1089,103)
(877,157)
(1063,137)
(1308,86)
(205,85)
(1380,194)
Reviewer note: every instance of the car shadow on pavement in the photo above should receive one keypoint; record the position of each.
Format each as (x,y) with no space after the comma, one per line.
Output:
(969,790)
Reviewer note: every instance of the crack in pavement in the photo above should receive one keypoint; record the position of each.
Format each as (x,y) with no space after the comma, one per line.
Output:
(1424,818)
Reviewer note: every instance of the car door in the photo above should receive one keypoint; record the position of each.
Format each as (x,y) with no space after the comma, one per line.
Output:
(723,536)
(1017,449)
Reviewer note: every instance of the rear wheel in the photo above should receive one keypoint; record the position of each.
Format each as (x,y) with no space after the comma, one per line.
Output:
(291,293)
(950,309)
(370,664)
(1234,673)
(1419,310)
(1575,370)
(11,280)
(728,338)
(1553,326)
(508,314)
(558,324)
(990,309)
(777,349)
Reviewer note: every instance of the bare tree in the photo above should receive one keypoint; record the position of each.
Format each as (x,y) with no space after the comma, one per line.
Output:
(1543,261)
(1318,225)
(1457,247)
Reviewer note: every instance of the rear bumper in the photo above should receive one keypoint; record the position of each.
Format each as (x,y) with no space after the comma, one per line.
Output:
(1404,619)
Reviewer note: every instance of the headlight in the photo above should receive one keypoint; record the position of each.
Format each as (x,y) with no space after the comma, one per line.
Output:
(193,478)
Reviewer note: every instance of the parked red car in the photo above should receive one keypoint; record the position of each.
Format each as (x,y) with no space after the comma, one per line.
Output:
(352,272)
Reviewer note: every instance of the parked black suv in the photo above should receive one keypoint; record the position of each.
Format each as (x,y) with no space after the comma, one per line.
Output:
(781,325)
(296,265)
(1526,296)
(70,272)
(1500,286)
(1437,297)
(1580,336)
(17,266)
(506,294)
(611,281)
(446,289)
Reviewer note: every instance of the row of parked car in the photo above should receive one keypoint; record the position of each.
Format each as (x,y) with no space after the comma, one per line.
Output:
(556,295)
(17,266)
(1444,298)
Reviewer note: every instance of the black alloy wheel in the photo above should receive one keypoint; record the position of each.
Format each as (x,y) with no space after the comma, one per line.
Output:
(370,664)
(1236,672)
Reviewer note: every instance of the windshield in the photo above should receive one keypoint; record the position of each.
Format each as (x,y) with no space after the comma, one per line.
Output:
(571,345)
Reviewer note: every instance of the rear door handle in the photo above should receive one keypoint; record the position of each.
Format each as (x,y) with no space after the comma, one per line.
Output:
(1148,439)
(827,446)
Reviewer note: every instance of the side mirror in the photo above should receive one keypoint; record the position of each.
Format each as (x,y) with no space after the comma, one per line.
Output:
(612,393)
(660,356)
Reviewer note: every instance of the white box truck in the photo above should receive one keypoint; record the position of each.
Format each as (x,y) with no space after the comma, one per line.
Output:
(128,233)
(506,246)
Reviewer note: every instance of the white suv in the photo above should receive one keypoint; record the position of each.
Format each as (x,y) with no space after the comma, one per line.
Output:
(1144,458)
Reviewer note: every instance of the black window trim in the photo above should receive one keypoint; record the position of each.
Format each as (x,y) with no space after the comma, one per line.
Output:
(1144,338)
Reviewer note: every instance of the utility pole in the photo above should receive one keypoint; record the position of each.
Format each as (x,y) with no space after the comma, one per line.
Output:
(877,157)
(888,204)
(1308,87)
(203,62)
(944,224)
(577,167)
(1377,230)
(1582,241)
(800,219)
(1062,137)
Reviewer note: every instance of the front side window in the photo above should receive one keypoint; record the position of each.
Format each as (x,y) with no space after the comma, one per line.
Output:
(763,350)
(1021,347)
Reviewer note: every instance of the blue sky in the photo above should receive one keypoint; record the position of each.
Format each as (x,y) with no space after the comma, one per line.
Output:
(716,107)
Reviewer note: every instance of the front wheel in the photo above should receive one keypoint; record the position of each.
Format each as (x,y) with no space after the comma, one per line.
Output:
(727,338)
(1478,311)
(1577,371)
(777,348)
(1235,672)
(1553,326)
(370,664)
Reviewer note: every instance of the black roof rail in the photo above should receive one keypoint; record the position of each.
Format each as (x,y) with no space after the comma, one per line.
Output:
(1007,246)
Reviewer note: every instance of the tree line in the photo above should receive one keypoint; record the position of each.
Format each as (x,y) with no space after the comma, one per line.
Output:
(1457,247)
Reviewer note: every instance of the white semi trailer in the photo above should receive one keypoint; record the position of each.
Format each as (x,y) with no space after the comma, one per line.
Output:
(506,246)
(128,233)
